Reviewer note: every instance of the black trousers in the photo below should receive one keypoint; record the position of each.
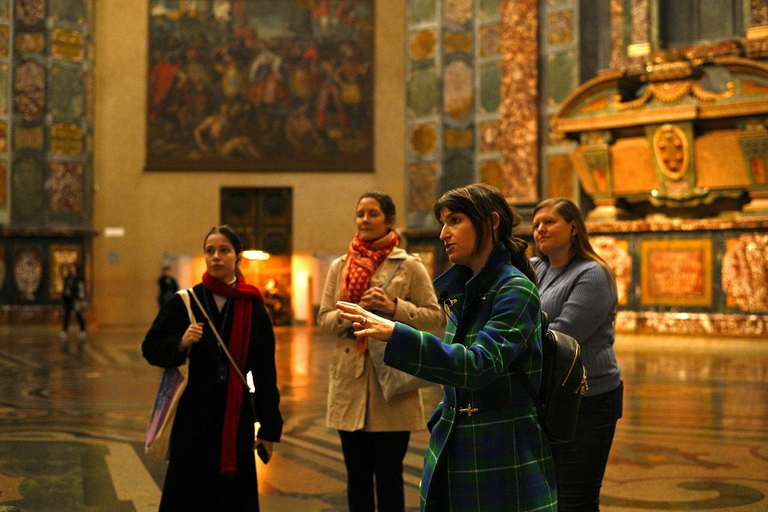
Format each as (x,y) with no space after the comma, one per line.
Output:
(69,307)
(379,456)
(580,464)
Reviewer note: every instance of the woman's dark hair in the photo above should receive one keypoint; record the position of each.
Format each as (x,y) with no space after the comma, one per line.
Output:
(478,202)
(385,202)
(230,234)
(580,244)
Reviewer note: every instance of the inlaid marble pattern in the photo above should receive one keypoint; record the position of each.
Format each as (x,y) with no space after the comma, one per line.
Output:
(72,423)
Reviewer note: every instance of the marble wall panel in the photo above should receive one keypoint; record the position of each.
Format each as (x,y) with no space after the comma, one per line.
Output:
(28,180)
(616,254)
(75,11)
(458,89)
(423,139)
(423,92)
(67,92)
(3,190)
(458,171)
(65,187)
(423,45)
(490,39)
(490,136)
(490,8)
(29,89)
(4,88)
(30,12)
(2,267)
(458,11)
(492,173)
(490,87)
(423,186)
(560,27)
(421,11)
(745,272)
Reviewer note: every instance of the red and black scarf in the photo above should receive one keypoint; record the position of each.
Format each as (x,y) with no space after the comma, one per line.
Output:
(362,261)
(243,296)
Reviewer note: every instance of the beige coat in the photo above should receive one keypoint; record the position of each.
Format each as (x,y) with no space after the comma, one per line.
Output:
(355,399)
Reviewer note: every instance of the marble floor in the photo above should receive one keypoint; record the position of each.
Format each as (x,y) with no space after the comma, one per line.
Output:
(694,434)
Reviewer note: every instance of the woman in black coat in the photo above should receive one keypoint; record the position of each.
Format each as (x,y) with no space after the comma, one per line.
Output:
(211,464)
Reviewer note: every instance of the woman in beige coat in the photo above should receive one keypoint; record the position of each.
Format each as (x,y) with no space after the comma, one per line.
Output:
(374,431)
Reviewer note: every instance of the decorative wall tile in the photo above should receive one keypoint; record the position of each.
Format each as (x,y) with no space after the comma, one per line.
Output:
(68,44)
(423,45)
(4,5)
(29,89)
(458,89)
(560,70)
(4,88)
(458,11)
(423,138)
(458,171)
(29,137)
(490,39)
(65,186)
(3,136)
(423,92)
(561,27)
(66,139)
(420,11)
(30,42)
(458,138)
(28,180)
(4,41)
(2,267)
(490,136)
(3,191)
(458,42)
(492,174)
(423,187)
(67,97)
(490,8)
(30,12)
(75,11)
(490,87)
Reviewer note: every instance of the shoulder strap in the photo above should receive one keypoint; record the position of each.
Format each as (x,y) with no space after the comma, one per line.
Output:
(218,337)
(518,369)
(392,274)
(184,294)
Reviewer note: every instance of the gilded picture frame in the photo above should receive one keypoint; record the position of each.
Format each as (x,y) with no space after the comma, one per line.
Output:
(273,85)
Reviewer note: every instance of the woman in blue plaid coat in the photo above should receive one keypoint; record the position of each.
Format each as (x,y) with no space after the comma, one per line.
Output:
(487,451)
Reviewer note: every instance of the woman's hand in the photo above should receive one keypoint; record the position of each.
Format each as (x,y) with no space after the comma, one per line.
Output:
(191,336)
(365,323)
(376,299)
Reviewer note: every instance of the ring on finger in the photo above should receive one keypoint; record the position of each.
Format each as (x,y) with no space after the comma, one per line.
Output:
(364,321)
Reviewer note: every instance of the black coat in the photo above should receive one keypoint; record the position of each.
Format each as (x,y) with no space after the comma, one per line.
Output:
(193,481)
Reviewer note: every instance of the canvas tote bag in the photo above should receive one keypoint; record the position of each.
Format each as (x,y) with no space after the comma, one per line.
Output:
(172,385)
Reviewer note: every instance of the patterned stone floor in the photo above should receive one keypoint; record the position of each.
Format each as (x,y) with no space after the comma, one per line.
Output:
(694,434)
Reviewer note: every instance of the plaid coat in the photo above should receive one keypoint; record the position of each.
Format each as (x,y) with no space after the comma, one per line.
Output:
(487,451)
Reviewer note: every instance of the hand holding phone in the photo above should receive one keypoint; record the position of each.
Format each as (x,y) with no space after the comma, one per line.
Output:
(263,453)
